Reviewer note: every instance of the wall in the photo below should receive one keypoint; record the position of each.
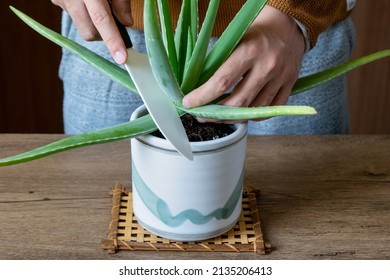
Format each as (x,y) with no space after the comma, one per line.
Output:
(370,85)
(31,93)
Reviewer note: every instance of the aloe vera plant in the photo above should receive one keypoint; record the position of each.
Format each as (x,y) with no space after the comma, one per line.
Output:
(180,63)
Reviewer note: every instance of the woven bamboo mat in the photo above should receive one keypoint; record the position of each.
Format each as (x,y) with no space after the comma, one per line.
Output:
(126,234)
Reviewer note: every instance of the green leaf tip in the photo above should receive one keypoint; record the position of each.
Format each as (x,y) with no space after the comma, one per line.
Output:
(140,126)
(316,79)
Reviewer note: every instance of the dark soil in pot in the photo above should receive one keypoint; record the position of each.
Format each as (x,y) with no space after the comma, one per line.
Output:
(197,131)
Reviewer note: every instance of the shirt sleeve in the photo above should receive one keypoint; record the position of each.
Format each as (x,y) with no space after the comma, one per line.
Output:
(314,16)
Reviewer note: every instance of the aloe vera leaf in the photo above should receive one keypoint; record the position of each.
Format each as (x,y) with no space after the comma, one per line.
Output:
(140,126)
(108,68)
(194,20)
(181,36)
(190,47)
(158,58)
(168,34)
(145,125)
(230,38)
(194,69)
(316,79)
(246,113)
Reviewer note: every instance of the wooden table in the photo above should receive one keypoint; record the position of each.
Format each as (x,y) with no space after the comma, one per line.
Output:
(322,197)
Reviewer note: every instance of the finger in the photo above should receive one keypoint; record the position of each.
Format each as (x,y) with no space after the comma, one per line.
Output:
(246,90)
(101,16)
(267,94)
(59,4)
(122,10)
(274,93)
(80,17)
(222,80)
(282,96)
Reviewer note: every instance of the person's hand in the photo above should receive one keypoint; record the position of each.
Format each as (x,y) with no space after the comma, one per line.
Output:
(268,60)
(93,19)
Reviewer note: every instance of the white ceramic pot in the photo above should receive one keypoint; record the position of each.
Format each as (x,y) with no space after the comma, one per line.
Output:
(185,200)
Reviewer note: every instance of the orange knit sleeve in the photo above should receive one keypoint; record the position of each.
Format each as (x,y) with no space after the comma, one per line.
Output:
(226,12)
(314,15)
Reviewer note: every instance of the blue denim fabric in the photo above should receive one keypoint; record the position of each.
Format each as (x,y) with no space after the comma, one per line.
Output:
(92,101)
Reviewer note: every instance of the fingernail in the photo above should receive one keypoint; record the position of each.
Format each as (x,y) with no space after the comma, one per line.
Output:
(120,57)
(200,120)
(186,103)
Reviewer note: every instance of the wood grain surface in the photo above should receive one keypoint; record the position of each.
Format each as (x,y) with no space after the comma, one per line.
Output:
(322,197)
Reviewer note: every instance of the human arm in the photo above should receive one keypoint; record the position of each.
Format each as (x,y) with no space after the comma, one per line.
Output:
(313,16)
(268,59)
(93,19)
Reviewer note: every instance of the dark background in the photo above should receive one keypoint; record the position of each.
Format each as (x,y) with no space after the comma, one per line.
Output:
(31,92)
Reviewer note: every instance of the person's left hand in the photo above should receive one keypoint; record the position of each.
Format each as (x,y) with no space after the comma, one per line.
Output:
(267,61)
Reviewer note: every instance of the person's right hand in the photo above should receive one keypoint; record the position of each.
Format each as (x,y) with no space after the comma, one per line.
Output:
(94,21)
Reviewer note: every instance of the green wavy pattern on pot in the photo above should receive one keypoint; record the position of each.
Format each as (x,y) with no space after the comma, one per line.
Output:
(161,210)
